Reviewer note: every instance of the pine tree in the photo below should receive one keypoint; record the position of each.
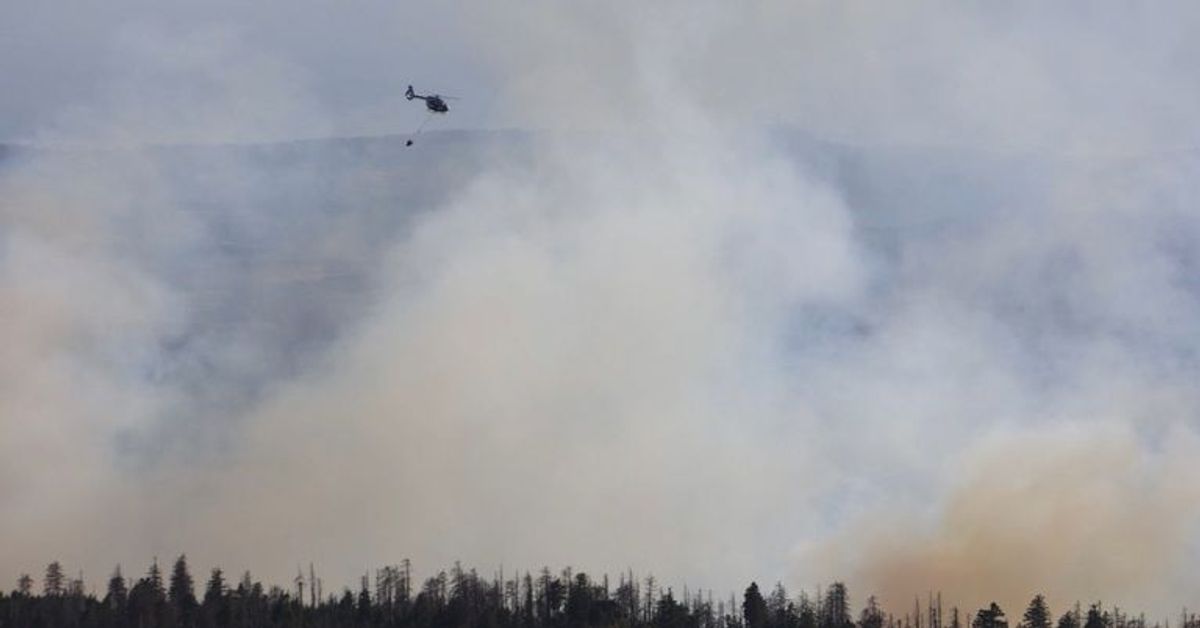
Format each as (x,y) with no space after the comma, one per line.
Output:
(214,590)
(754,607)
(364,600)
(147,606)
(872,616)
(214,610)
(1037,615)
(154,577)
(528,610)
(1096,618)
(118,593)
(779,608)
(807,613)
(670,614)
(835,609)
(52,585)
(25,585)
(181,594)
(990,617)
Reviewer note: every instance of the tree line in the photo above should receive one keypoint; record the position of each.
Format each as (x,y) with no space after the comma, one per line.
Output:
(460,598)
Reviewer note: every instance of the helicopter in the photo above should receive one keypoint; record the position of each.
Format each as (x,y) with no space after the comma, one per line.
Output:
(433,102)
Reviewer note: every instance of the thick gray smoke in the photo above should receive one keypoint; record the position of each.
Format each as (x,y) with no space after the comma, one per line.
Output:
(901,296)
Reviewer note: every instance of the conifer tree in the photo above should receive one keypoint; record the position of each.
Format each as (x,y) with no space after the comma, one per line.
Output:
(754,607)
(215,609)
(1037,615)
(52,585)
(214,590)
(182,594)
(872,616)
(154,577)
(807,614)
(118,593)
(990,617)
(364,600)
(835,608)
(25,585)
(1096,617)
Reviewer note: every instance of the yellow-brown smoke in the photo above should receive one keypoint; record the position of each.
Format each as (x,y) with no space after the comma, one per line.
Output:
(1079,513)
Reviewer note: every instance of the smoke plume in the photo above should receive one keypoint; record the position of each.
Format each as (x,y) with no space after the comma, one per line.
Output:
(900,296)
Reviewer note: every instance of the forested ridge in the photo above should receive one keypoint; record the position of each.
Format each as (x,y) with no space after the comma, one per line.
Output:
(461,598)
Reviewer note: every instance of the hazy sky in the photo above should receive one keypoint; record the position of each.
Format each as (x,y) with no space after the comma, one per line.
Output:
(905,295)
(346,66)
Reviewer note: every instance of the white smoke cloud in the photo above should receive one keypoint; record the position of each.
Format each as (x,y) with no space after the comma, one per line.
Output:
(675,335)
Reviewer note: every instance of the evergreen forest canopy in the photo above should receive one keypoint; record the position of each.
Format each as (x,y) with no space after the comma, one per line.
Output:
(463,599)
